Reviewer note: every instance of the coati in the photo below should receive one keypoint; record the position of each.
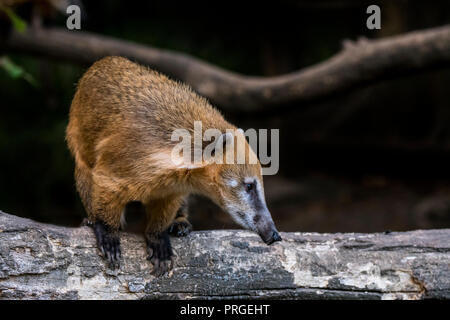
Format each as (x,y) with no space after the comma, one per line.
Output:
(120,126)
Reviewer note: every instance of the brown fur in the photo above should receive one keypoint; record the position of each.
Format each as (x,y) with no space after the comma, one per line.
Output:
(121,120)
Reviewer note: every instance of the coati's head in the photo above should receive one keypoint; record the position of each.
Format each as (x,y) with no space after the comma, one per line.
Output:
(241,194)
(238,188)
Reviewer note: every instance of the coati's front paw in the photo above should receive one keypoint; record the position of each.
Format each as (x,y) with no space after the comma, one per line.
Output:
(160,253)
(108,242)
(180,228)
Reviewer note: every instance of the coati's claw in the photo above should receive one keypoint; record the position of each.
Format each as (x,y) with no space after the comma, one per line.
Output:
(161,267)
(86,222)
(108,242)
(180,228)
(113,254)
(159,253)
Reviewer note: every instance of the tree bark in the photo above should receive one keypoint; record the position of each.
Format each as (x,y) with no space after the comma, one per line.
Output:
(358,63)
(40,261)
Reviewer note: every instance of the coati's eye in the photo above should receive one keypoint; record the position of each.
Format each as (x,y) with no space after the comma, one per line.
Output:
(249,187)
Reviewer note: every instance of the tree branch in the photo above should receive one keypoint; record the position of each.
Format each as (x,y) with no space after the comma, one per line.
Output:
(39,261)
(358,63)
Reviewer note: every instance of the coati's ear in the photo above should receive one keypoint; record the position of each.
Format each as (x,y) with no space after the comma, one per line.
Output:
(182,156)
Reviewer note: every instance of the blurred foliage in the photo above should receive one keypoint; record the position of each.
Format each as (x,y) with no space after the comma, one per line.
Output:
(16,71)
(37,169)
(17,22)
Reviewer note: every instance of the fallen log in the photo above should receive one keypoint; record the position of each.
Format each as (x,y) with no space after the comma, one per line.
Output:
(41,261)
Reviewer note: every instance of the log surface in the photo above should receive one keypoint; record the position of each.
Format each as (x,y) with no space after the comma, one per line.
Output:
(40,261)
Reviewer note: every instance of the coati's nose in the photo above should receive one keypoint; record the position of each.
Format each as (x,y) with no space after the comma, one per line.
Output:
(275,237)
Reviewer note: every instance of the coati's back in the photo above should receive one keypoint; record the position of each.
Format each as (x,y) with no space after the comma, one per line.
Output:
(118,101)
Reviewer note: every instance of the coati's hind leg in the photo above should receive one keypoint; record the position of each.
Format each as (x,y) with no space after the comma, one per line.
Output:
(83,181)
(181,226)
(160,214)
(108,240)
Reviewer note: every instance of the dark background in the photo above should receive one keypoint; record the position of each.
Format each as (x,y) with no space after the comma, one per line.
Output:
(368,160)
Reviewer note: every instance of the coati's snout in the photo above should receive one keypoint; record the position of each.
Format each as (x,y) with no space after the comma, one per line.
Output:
(259,221)
(274,237)
(266,228)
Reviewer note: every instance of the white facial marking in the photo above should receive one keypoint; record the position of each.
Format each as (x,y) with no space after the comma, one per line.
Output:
(259,190)
(249,179)
(243,195)
(245,204)
(232,183)
(260,193)
(232,210)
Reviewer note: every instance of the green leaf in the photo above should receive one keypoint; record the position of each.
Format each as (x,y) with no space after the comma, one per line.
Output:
(18,23)
(16,71)
(11,68)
